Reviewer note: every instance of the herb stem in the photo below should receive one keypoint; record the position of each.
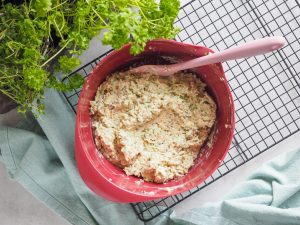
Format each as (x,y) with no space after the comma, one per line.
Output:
(59,5)
(9,95)
(56,54)
(100,17)
(59,31)
(7,76)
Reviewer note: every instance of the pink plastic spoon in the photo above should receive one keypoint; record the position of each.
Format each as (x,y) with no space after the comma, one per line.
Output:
(253,48)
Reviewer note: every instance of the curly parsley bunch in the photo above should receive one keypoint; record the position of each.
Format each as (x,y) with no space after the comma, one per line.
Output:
(37,33)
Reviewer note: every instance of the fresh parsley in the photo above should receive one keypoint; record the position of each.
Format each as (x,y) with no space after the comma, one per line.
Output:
(39,35)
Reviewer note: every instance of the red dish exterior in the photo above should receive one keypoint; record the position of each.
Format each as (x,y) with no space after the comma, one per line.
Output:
(111,182)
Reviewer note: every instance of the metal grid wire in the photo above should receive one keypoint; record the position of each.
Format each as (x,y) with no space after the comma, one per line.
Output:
(265,88)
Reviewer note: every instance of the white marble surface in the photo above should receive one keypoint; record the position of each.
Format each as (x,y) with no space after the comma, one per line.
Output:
(18,207)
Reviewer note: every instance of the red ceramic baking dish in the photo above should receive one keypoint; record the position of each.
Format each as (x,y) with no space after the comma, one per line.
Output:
(112,183)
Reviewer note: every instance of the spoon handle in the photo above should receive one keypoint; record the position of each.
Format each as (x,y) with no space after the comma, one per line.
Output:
(253,48)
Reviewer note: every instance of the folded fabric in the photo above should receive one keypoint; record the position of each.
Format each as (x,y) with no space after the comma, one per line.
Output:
(40,156)
(270,196)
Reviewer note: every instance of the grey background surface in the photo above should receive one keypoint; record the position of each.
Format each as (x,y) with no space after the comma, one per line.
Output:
(18,207)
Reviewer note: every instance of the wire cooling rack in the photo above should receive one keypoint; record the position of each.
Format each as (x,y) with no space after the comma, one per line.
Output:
(265,88)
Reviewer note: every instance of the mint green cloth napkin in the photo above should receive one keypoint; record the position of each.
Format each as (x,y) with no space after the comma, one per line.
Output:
(270,196)
(40,156)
